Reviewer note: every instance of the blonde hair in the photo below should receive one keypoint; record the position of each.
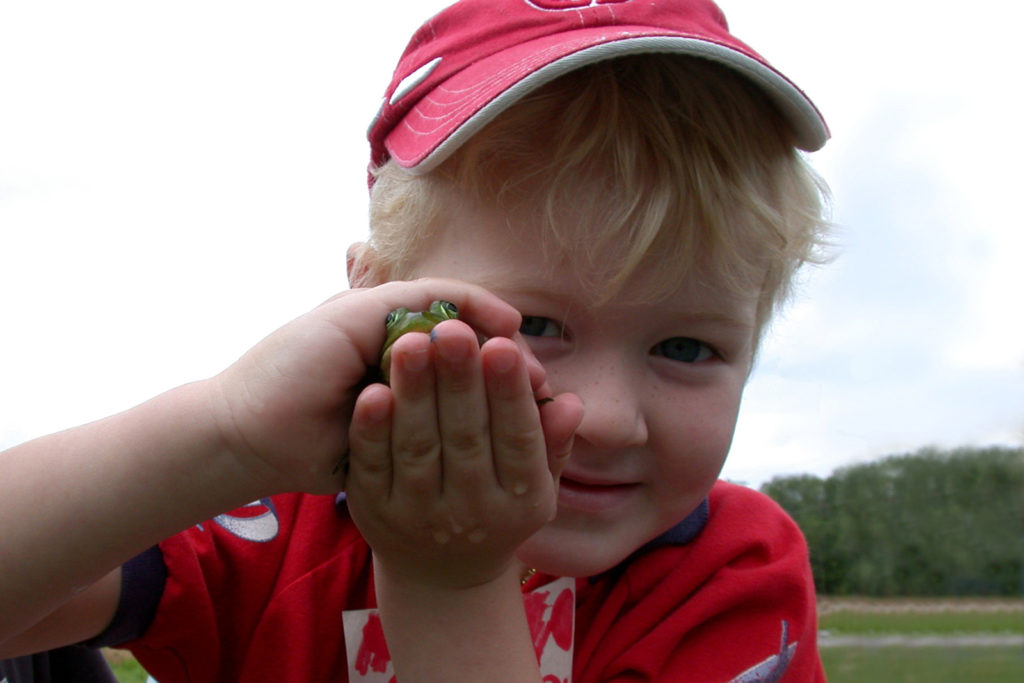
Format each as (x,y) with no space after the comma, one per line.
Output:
(676,166)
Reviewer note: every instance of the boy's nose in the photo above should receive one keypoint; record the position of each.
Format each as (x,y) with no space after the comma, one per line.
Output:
(613,415)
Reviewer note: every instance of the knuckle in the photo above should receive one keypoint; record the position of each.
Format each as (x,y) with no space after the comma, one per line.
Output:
(464,441)
(416,446)
(525,442)
(460,386)
(368,463)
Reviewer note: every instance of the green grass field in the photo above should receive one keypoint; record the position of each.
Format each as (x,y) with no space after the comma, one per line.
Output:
(920,664)
(870,661)
(944,660)
(125,667)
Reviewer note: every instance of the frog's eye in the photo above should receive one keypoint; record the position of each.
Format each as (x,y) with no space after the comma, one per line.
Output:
(392,318)
(449,309)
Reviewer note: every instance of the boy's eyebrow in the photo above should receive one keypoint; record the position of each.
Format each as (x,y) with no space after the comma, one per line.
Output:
(717,318)
(726,322)
(508,283)
(529,289)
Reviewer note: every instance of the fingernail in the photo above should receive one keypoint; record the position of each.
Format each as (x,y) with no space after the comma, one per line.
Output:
(415,361)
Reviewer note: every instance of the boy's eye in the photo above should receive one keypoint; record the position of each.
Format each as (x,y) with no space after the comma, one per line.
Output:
(684,350)
(537,326)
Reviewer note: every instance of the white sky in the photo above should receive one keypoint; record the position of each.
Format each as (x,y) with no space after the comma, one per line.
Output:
(179,179)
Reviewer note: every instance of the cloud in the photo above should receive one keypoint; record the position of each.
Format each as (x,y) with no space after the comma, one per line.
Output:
(903,341)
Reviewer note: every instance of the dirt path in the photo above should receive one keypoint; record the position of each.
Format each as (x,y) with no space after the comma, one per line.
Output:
(827,605)
(968,640)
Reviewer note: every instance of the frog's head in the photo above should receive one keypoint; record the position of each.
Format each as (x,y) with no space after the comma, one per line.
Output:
(402,320)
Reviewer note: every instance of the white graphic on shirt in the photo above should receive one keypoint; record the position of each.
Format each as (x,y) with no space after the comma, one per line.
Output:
(550,613)
(258,528)
(771,669)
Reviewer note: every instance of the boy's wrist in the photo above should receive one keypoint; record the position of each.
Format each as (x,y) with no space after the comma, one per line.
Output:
(454,576)
(476,632)
(240,469)
(227,439)
(198,446)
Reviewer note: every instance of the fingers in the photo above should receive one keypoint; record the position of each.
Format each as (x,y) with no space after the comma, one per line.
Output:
(454,465)
(517,437)
(464,422)
(415,432)
(560,418)
(463,418)
(370,436)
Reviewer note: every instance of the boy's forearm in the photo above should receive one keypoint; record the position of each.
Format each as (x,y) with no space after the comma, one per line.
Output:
(474,634)
(79,503)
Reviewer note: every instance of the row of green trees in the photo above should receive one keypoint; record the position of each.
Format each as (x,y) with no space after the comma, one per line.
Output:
(930,523)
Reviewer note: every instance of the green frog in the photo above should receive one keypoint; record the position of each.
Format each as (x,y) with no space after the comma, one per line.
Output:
(402,320)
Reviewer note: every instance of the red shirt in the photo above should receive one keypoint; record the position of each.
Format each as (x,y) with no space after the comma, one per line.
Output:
(258,595)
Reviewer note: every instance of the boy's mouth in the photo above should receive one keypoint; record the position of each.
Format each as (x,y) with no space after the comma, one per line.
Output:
(588,496)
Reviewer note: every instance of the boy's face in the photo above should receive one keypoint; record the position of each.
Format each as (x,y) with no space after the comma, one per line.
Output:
(660,381)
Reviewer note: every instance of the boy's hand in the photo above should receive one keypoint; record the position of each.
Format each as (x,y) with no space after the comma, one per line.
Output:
(283,409)
(454,465)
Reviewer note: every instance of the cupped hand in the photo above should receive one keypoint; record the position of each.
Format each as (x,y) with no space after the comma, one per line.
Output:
(454,465)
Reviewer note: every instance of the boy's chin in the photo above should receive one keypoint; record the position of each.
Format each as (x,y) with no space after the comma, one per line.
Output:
(559,553)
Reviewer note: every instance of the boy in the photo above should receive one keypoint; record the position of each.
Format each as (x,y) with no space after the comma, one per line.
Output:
(619,182)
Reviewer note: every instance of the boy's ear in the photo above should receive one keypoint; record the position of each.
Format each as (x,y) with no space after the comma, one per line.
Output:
(357,264)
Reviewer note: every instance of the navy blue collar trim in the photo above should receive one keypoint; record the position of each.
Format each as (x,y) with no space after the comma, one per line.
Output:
(681,533)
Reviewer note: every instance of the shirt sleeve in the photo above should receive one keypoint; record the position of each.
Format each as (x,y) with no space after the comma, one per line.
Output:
(142,585)
(231,592)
